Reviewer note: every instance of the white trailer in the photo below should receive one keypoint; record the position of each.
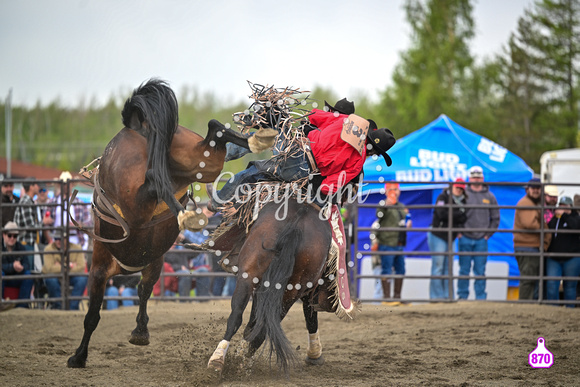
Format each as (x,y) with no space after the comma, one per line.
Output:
(560,167)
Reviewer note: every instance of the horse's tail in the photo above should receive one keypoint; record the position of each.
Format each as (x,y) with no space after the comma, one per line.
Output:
(269,295)
(157,112)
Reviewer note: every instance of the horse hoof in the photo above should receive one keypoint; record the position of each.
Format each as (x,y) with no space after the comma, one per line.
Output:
(191,220)
(139,339)
(263,139)
(76,362)
(216,366)
(319,361)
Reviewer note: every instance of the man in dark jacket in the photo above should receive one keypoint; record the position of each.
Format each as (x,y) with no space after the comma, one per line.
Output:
(439,240)
(564,219)
(8,197)
(15,264)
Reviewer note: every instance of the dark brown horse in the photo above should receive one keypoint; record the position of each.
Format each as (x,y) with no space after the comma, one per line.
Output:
(139,190)
(280,262)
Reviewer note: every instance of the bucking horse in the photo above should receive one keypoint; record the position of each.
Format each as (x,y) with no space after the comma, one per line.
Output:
(140,195)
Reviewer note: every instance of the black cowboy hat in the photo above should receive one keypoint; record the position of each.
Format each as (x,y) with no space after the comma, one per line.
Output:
(382,140)
(343,106)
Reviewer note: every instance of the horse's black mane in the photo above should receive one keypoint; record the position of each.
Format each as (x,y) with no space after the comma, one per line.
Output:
(155,103)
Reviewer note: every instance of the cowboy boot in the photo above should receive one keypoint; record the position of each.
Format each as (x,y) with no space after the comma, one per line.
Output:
(387,293)
(386,288)
(397,291)
(398,287)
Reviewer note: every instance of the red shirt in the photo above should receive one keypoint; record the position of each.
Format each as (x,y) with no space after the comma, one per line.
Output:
(331,153)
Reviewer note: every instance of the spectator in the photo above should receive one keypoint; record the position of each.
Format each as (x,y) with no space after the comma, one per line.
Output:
(54,257)
(15,264)
(439,240)
(170,283)
(564,219)
(217,284)
(376,263)
(550,200)
(8,197)
(81,213)
(527,244)
(184,261)
(393,214)
(124,286)
(230,286)
(44,213)
(483,217)
(199,262)
(179,258)
(26,217)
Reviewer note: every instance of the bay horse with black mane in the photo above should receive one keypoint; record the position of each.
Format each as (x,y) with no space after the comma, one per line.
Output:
(281,244)
(279,261)
(140,194)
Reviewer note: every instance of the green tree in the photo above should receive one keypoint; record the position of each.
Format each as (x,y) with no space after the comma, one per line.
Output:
(538,81)
(433,72)
(523,100)
(556,25)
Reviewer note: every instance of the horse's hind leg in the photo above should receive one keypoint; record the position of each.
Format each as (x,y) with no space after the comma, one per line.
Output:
(314,351)
(140,335)
(240,300)
(102,269)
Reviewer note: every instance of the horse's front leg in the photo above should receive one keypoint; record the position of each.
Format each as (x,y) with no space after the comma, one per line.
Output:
(314,351)
(140,335)
(102,269)
(239,302)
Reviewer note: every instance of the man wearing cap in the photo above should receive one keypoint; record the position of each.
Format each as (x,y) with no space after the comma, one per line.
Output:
(54,257)
(481,213)
(15,264)
(550,200)
(392,214)
(527,244)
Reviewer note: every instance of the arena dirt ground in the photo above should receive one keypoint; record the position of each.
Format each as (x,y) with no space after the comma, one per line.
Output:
(462,344)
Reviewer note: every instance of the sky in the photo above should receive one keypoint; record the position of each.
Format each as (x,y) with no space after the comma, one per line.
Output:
(89,50)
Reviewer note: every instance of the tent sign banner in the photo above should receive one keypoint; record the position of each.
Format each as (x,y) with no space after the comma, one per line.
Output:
(441,152)
(431,165)
(495,151)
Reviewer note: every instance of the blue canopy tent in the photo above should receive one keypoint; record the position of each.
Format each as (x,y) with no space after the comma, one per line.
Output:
(425,161)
